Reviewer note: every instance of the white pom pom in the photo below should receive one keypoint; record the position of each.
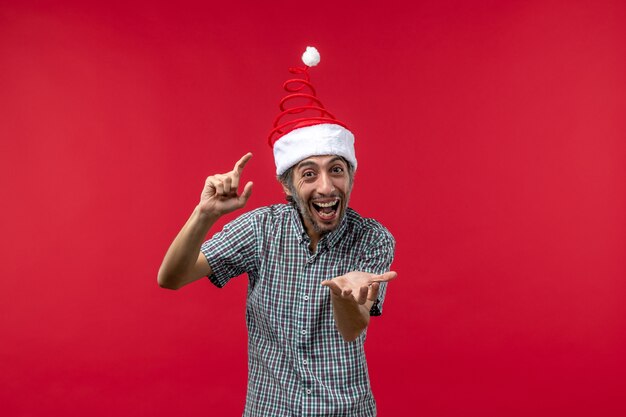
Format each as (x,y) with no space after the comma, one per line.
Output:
(311,57)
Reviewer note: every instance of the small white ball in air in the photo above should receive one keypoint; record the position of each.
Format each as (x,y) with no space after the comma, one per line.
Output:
(311,57)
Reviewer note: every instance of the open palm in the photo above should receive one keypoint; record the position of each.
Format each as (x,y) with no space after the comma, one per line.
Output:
(359,286)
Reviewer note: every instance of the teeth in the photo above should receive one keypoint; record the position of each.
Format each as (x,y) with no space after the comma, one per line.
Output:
(332,203)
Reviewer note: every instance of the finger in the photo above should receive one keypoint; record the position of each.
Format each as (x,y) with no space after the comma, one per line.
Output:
(372,294)
(216,184)
(208,186)
(227,181)
(234,181)
(346,293)
(219,187)
(332,285)
(363,291)
(386,277)
(239,166)
(245,195)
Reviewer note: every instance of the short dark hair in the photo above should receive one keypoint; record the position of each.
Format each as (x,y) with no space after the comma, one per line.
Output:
(286,179)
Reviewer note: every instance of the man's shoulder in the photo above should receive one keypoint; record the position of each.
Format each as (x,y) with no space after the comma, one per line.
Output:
(364,227)
(265,214)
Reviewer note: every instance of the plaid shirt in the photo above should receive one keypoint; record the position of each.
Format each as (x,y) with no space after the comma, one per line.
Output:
(298,363)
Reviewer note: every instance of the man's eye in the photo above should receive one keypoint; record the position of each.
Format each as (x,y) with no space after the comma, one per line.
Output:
(308,174)
(337,170)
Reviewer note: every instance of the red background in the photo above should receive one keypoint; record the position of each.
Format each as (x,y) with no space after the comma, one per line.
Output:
(491,142)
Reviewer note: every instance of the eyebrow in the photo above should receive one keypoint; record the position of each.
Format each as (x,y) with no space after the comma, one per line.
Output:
(306,164)
(311,163)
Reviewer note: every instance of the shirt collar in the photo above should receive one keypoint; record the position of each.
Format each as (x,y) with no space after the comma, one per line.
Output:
(335,236)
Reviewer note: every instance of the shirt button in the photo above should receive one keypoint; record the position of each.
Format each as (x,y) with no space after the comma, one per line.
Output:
(305,361)
(308,391)
(303,331)
(306,298)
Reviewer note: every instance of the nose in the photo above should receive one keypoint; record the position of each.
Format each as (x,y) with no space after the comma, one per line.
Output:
(325,184)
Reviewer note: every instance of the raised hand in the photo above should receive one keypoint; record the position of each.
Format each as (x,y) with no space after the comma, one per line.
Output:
(358,286)
(220,193)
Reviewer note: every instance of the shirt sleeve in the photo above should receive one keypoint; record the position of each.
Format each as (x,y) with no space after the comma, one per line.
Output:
(231,252)
(376,259)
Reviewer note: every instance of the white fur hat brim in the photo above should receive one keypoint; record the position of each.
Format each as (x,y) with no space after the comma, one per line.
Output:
(315,140)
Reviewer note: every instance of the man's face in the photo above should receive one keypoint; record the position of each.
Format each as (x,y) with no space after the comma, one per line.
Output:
(321,189)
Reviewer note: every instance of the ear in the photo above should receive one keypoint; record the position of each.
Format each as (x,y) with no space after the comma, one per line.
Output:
(285,189)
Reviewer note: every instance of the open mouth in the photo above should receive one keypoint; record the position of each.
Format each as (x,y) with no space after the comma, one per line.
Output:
(326,210)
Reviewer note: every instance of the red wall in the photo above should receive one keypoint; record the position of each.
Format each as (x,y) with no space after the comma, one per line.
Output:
(491,142)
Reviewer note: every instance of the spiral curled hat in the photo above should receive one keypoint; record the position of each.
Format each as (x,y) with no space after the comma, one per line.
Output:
(304,127)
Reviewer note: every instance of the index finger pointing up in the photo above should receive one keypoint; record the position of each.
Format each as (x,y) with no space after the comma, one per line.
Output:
(242,162)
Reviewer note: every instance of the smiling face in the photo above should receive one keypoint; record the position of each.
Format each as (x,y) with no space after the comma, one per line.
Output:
(320,186)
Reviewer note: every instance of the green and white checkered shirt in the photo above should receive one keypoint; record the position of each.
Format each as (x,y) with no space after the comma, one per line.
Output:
(298,363)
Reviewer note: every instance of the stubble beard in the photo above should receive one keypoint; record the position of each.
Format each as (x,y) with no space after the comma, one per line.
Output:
(307,217)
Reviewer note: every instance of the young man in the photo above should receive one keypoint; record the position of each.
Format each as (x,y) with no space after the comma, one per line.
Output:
(317,272)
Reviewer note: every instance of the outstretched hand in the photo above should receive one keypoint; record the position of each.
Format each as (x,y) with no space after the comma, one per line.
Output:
(220,194)
(358,286)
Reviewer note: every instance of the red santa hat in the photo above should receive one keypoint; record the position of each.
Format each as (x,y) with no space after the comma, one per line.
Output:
(305,128)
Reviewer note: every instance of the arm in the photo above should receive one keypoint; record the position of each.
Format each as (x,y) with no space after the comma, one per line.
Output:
(184,263)
(352,298)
